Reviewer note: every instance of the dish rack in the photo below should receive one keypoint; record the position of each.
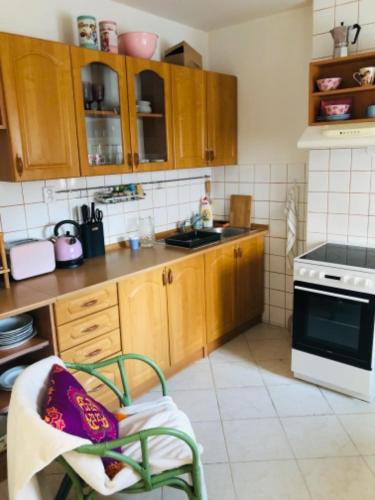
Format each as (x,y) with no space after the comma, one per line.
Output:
(120,193)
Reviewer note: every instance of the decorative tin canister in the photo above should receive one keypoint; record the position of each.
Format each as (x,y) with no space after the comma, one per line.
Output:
(87,32)
(108,36)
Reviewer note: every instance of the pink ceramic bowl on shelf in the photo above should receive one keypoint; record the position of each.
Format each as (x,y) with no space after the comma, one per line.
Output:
(336,109)
(138,44)
(325,84)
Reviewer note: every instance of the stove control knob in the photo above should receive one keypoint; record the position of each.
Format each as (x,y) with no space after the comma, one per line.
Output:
(346,279)
(321,276)
(359,281)
(302,271)
(368,284)
(312,273)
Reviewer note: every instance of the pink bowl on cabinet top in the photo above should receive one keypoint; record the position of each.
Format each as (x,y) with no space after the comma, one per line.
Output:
(336,109)
(138,44)
(325,84)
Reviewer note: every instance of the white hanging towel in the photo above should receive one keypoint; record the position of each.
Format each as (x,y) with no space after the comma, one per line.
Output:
(292,224)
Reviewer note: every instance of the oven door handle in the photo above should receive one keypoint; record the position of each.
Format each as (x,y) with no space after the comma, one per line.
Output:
(330,294)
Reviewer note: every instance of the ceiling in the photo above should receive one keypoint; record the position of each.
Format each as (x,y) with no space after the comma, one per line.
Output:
(208,15)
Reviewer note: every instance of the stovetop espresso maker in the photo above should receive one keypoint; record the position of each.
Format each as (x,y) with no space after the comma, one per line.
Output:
(340,35)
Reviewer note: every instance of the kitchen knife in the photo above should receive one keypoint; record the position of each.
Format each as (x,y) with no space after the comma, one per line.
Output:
(85,213)
(93,218)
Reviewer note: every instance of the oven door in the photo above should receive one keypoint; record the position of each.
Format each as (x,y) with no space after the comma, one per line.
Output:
(333,323)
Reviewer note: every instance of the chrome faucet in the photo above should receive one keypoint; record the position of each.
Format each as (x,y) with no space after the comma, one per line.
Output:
(181,225)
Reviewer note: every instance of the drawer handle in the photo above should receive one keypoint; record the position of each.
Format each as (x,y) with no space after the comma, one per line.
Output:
(97,388)
(92,354)
(170,276)
(90,303)
(90,329)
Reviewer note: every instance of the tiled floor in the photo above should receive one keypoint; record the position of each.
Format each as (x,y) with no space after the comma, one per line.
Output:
(266,435)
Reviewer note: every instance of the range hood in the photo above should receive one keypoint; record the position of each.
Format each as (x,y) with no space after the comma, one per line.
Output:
(361,135)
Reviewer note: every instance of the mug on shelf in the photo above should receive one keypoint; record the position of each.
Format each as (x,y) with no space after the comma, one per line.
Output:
(87,32)
(371,111)
(365,76)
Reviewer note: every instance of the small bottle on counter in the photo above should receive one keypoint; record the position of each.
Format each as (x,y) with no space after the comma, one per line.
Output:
(206,212)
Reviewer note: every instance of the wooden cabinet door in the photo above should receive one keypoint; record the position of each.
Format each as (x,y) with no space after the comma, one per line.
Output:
(39,99)
(144,322)
(186,308)
(108,128)
(222,118)
(250,277)
(220,282)
(189,117)
(151,132)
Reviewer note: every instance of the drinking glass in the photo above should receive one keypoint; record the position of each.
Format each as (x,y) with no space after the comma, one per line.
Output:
(98,94)
(146,232)
(87,94)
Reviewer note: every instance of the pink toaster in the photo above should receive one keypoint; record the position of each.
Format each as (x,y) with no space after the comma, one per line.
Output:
(28,258)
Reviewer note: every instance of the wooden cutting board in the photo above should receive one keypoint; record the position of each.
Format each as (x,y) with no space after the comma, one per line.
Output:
(240,210)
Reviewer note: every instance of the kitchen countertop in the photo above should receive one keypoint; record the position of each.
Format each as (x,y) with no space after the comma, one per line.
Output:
(117,264)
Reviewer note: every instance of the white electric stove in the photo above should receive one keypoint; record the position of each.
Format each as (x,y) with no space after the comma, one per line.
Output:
(333,318)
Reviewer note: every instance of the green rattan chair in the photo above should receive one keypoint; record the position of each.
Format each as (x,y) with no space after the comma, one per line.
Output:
(148,482)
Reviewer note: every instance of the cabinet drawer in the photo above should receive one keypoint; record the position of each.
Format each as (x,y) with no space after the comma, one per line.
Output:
(98,390)
(94,350)
(82,304)
(90,327)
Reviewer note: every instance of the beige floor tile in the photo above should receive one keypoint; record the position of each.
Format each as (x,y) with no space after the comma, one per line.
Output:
(264,331)
(270,349)
(200,405)
(211,436)
(338,478)
(361,429)
(236,375)
(196,376)
(245,402)
(371,463)
(277,372)
(256,439)
(236,351)
(317,437)
(342,404)
(280,480)
(299,400)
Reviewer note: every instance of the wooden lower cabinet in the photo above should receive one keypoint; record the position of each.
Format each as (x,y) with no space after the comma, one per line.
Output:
(220,277)
(186,308)
(250,277)
(144,322)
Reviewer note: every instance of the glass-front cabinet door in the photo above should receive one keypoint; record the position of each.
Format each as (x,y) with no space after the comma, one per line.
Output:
(102,112)
(149,91)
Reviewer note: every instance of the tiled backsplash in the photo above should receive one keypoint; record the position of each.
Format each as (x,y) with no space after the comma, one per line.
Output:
(268,184)
(24,213)
(341,197)
(330,13)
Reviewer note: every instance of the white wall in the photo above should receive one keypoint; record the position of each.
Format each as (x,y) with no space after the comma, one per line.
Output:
(270,57)
(341,197)
(56,20)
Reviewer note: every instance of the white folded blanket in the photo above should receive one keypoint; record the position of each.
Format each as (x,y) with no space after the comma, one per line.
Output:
(34,444)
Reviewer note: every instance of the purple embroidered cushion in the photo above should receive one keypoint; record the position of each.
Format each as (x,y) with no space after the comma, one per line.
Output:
(69,408)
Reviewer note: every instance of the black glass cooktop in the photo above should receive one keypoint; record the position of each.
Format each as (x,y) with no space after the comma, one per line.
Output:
(347,255)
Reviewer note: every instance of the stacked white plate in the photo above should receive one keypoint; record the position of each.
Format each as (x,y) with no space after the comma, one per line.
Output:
(16,330)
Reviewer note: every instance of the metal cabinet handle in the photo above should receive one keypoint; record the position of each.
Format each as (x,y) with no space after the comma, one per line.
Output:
(19,165)
(207,155)
(93,353)
(136,159)
(212,155)
(240,252)
(91,328)
(235,253)
(130,159)
(164,277)
(170,276)
(90,303)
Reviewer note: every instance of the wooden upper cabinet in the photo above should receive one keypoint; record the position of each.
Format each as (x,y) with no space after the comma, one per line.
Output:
(150,127)
(222,118)
(189,117)
(220,281)
(101,104)
(144,322)
(186,308)
(250,277)
(39,100)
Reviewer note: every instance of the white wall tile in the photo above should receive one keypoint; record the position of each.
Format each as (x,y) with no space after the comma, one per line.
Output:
(338,203)
(323,4)
(33,191)
(277,228)
(277,210)
(317,222)
(278,192)
(323,20)
(338,224)
(366,11)
(262,191)
(340,159)
(296,172)
(360,182)
(10,194)
(361,160)
(232,174)
(346,13)
(13,218)
(359,204)
(339,182)
(319,159)
(277,282)
(36,215)
(262,173)
(358,225)
(318,202)
(366,40)
(318,181)
(279,172)
(322,46)
(246,173)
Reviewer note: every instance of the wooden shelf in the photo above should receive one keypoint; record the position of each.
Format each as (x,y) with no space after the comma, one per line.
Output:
(340,122)
(101,114)
(349,90)
(31,345)
(150,115)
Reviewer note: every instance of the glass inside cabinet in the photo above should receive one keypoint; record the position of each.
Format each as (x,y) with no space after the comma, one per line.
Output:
(151,120)
(101,101)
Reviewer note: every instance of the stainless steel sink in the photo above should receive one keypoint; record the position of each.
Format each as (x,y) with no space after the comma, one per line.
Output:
(228,232)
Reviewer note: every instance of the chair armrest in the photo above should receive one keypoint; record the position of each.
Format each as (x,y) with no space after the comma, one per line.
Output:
(124,397)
